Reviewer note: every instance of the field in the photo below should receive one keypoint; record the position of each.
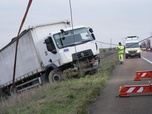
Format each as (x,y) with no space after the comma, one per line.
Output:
(73,96)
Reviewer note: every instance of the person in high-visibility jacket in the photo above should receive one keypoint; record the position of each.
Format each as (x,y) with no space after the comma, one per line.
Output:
(121,49)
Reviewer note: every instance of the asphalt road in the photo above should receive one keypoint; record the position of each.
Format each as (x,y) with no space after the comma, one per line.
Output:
(110,103)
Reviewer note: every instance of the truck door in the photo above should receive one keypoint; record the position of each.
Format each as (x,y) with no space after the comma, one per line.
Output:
(52,51)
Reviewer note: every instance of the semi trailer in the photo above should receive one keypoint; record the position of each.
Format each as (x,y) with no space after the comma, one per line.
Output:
(48,52)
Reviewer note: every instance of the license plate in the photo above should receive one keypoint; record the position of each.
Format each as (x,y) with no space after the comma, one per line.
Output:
(132,54)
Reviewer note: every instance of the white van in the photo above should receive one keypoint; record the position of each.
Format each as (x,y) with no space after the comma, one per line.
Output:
(132,47)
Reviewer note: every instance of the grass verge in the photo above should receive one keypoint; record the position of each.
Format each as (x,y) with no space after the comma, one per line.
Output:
(73,96)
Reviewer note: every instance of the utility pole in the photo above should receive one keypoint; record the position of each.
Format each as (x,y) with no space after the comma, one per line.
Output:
(17,41)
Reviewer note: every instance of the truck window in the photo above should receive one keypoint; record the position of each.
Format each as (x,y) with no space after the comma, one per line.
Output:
(72,37)
(50,45)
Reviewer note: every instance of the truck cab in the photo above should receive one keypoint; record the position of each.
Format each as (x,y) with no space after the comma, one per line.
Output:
(70,50)
(132,47)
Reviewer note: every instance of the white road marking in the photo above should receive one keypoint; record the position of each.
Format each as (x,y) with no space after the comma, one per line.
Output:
(146,60)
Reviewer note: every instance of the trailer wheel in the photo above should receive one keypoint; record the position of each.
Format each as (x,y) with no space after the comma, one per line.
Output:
(55,76)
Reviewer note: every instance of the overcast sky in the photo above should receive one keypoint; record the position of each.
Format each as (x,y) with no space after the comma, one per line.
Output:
(112,20)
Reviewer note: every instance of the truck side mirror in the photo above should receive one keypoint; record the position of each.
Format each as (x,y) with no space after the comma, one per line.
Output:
(91,31)
(50,45)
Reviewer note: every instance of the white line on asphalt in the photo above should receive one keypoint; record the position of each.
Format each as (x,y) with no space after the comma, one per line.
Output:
(146,59)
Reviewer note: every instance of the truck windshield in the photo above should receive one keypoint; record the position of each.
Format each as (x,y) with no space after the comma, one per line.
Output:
(72,37)
(132,45)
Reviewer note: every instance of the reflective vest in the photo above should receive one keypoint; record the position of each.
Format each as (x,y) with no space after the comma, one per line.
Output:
(120,49)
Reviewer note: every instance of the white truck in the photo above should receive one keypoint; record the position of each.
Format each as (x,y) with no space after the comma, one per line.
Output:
(149,44)
(132,47)
(48,53)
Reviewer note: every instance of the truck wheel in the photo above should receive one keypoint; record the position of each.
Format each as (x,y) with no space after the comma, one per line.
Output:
(55,76)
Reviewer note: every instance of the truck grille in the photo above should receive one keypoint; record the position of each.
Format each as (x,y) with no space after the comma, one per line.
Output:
(82,54)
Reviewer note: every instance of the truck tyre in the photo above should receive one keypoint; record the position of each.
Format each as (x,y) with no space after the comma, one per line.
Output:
(55,76)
